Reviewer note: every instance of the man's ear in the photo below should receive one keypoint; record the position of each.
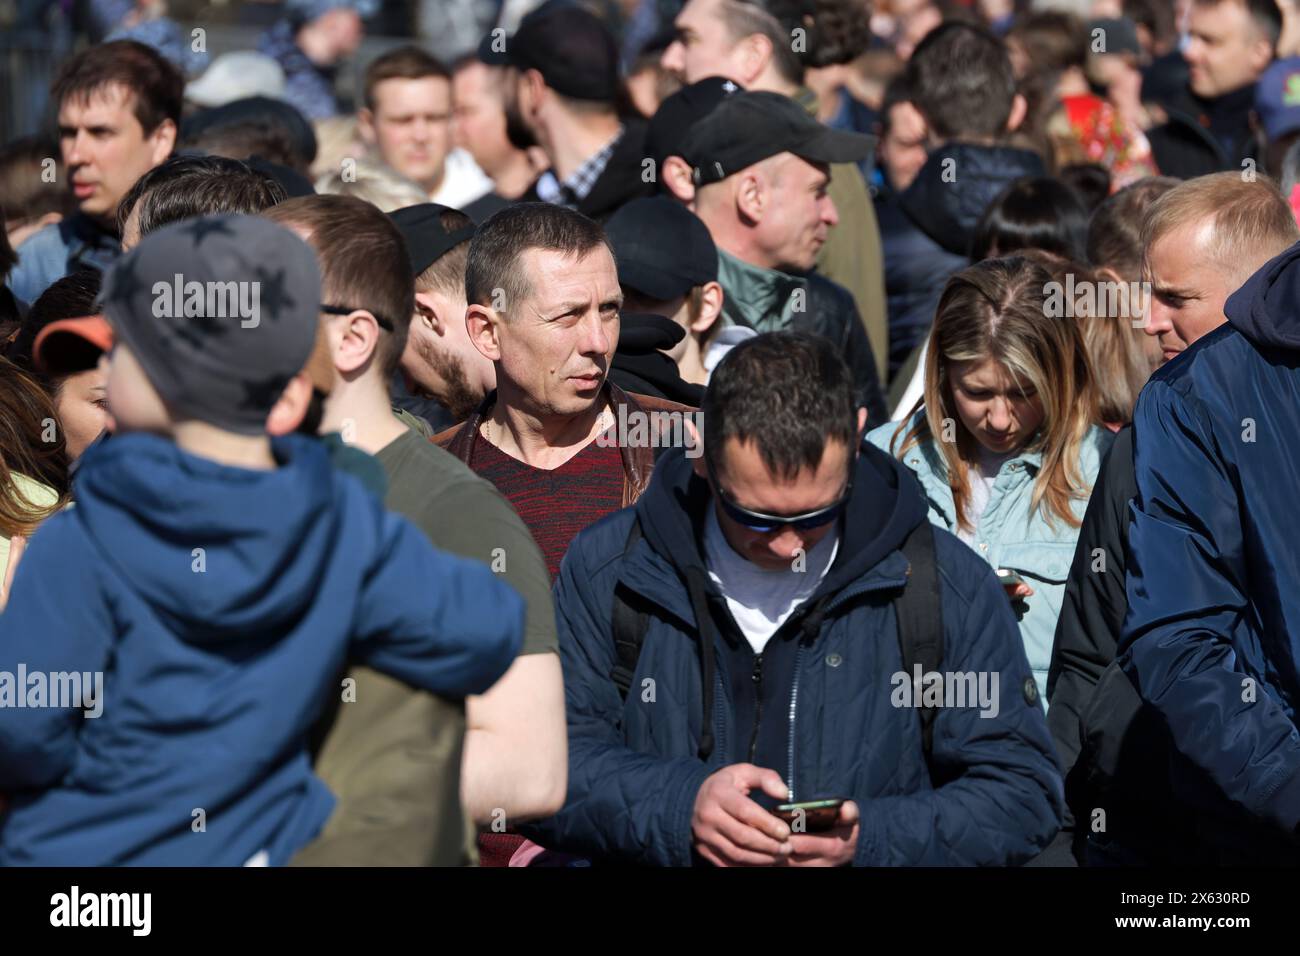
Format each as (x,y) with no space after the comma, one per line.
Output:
(751,197)
(677,179)
(711,296)
(695,440)
(366,126)
(1019,109)
(481,323)
(291,407)
(755,54)
(862,430)
(356,342)
(1261,54)
(426,314)
(164,140)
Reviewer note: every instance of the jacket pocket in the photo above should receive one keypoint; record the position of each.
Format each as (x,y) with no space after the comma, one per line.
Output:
(1044,560)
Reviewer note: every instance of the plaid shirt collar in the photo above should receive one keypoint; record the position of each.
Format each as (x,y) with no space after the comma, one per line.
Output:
(580,184)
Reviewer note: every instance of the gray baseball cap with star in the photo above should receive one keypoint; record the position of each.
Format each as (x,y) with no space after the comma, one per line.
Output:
(221,312)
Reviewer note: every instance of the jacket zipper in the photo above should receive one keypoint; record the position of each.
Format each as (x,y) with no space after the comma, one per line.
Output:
(794,704)
(756,675)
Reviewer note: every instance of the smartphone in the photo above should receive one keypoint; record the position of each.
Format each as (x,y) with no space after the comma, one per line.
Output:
(1008,578)
(817,814)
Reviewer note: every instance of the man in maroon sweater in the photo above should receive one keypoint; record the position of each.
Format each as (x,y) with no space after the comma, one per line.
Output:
(561,442)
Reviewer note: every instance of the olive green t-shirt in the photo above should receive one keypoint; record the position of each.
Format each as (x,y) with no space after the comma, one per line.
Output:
(464,514)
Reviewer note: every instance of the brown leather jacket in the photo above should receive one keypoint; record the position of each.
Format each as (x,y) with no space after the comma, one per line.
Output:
(638,460)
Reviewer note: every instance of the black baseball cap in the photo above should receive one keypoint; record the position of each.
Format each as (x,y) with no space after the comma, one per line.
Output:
(749,127)
(663,250)
(667,129)
(570,46)
(427,240)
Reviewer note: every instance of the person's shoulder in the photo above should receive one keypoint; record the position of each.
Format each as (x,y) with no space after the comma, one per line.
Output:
(961,570)
(414,460)
(819,285)
(1209,358)
(601,545)
(889,436)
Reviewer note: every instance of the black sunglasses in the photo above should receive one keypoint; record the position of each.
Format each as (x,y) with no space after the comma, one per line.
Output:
(762,523)
(384,323)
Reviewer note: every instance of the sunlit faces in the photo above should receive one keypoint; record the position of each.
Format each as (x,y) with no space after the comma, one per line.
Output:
(478,116)
(999,412)
(81,404)
(410,127)
(746,480)
(133,402)
(797,213)
(1187,293)
(1225,49)
(554,348)
(704,46)
(104,148)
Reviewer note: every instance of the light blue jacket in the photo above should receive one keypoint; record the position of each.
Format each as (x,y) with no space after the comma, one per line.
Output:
(1008,535)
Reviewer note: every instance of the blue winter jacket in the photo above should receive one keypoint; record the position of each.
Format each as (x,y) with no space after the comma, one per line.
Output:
(1212,636)
(634,765)
(220,604)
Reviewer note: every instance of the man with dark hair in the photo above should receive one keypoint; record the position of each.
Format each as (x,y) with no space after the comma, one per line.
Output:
(514,749)
(562,94)
(558,438)
(751,633)
(961,82)
(766,45)
(406,121)
(762,166)
(187,186)
(561,442)
(119,106)
(1210,128)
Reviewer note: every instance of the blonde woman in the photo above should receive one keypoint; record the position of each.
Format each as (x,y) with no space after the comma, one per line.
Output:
(1004,442)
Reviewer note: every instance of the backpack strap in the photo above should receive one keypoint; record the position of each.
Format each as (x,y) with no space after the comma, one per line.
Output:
(629,625)
(920,618)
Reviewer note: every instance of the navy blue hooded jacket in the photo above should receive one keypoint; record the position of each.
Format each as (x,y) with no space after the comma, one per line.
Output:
(927,231)
(827,722)
(216,661)
(1212,636)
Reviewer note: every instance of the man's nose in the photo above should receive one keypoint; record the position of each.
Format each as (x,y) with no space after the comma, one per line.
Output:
(595,336)
(830,215)
(787,544)
(1157,318)
(674,58)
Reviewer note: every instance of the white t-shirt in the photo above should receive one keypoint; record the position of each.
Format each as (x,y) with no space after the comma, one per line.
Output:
(981,479)
(761,600)
(462,181)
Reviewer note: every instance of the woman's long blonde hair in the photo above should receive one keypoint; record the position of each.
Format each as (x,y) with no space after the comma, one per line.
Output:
(996,310)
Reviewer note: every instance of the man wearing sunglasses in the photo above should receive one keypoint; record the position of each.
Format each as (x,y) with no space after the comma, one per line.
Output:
(769,579)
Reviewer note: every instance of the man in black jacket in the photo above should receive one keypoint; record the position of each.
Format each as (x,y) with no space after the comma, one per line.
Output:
(1210,123)
(1106,738)
(562,90)
(962,84)
(761,166)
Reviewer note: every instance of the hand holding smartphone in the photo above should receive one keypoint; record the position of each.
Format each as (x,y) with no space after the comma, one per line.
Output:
(818,815)
(1014,584)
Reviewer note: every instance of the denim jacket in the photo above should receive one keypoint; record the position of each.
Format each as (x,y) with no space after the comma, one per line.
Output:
(1008,535)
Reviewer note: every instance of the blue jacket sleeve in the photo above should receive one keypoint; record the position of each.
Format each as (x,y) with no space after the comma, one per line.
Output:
(434,620)
(57,622)
(621,804)
(1002,797)
(1188,602)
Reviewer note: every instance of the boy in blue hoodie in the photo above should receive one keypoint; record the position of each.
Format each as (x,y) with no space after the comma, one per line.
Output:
(171,639)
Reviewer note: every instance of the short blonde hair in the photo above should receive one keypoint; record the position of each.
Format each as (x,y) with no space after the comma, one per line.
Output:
(374,182)
(1252,223)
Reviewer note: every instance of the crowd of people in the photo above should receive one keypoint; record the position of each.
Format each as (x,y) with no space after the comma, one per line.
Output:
(731,432)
